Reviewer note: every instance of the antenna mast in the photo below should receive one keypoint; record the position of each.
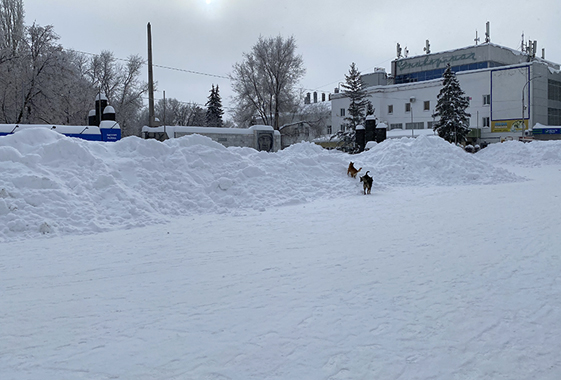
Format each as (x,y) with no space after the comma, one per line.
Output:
(427,47)
(487,32)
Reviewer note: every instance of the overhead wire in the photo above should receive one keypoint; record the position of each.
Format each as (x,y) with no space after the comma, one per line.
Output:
(317,89)
(165,67)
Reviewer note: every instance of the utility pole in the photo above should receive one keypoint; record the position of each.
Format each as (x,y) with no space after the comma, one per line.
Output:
(165,114)
(152,120)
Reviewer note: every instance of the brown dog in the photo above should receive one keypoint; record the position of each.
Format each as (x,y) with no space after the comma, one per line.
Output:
(352,170)
(366,183)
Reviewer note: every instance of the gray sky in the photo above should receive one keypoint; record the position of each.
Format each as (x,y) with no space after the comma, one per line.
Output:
(209,36)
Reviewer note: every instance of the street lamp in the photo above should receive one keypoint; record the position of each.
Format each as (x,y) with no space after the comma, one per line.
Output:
(523,106)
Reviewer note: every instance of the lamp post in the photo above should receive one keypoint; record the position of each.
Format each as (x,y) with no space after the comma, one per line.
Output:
(523,105)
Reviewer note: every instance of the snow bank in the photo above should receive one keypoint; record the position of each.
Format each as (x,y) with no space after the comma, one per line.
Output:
(535,153)
(427,160)
(53,184)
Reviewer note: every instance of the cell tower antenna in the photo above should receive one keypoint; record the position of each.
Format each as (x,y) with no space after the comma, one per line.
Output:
(427,47)
(476,39)
(488,32)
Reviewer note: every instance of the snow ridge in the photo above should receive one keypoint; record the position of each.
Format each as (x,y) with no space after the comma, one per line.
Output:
(52,184)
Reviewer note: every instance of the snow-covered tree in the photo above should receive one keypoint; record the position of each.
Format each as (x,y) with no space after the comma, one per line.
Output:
(265,81)
(214,110)
(175,112)
(451,105)
(316,115)
(42,82)
(360,106)
(12,29)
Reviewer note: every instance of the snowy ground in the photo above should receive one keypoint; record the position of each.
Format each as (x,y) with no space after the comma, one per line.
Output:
(187,260)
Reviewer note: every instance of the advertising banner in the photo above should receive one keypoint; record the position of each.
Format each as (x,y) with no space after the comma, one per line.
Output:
(547,131)
(509,125)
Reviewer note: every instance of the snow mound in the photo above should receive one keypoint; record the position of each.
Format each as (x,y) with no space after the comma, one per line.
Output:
(532,154)
(428,161)
(51,184)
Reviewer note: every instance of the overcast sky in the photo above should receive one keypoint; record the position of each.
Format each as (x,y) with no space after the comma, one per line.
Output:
(209,36)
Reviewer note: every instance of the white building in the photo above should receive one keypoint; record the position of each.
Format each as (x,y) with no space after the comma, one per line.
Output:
(509,90)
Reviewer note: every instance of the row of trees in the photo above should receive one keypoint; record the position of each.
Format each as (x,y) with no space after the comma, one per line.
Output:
(174,112)
(42,83)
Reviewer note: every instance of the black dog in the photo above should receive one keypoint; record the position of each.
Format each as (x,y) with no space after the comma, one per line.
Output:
(366,183)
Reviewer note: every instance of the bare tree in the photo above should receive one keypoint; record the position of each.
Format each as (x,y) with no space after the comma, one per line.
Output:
(177,113)
(316,115)
(265,81)
(11,28)
(40,84)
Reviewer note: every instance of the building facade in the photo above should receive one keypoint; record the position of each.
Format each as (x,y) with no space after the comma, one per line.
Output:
(509,91)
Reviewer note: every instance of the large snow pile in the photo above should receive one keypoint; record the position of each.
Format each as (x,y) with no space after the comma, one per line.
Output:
(535,153)
(52,184)
(428,160)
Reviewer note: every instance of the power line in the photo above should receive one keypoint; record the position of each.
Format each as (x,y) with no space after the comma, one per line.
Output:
(191,71)
(188,102)
(166,67)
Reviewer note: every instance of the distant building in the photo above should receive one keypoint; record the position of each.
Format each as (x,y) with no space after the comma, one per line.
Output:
(510,91)
(259,137)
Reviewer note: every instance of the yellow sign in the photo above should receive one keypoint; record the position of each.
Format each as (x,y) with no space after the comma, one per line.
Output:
(509,125)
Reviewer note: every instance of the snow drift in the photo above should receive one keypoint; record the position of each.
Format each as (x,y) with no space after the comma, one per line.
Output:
(52,184)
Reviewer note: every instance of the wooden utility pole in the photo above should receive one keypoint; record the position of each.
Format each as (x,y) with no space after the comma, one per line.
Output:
(152,119)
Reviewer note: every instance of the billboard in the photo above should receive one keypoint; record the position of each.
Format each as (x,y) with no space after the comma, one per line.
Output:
(509,125)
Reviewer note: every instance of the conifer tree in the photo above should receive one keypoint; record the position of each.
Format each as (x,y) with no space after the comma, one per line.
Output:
(451,108)
(214,110)
(354,89)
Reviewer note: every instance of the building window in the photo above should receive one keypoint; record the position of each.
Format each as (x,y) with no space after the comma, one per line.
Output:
(342,114)
(416,125)
(486,100)
(342,128)
(390,109)
(431,124)
(426,106)
(486,122)
(407,107)
(554,91)
(329,129)
(553,116)
(396,126)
